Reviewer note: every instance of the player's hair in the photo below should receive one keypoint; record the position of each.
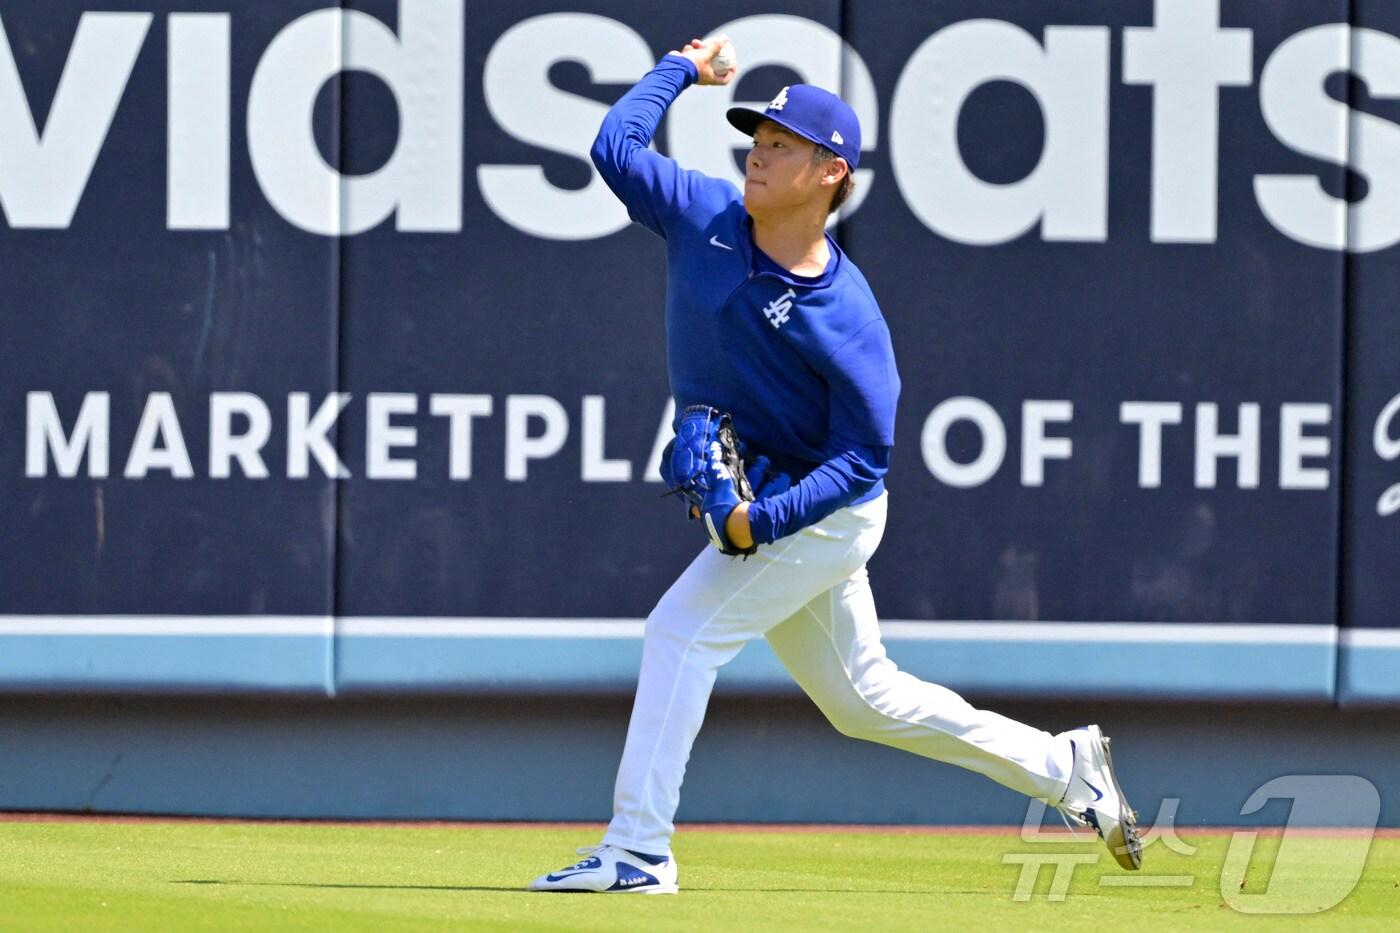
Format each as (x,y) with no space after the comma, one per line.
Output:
(848,184)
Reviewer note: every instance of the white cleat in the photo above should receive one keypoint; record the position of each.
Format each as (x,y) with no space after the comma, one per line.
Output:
(1094,798)
(609,870)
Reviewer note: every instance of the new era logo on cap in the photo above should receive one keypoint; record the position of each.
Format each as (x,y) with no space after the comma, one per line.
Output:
(810,112)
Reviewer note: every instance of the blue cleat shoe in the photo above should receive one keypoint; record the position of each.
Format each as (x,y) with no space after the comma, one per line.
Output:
(1094,798)
(609,870)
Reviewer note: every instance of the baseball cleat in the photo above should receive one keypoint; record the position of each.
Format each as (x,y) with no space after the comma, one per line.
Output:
(1094,798)
(609,870)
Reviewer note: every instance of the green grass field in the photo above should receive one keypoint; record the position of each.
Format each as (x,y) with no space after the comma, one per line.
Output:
(186,875)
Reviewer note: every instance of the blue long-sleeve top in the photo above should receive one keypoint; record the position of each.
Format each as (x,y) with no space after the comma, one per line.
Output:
(804,364)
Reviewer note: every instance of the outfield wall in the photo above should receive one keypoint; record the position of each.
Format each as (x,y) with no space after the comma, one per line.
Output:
(331,368)
(769,759)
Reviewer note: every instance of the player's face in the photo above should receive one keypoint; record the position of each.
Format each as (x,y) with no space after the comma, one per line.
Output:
(779,174)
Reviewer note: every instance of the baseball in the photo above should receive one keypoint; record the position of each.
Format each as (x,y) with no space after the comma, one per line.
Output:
(723,62)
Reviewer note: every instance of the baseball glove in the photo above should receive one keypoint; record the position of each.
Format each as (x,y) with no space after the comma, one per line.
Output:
(705,465)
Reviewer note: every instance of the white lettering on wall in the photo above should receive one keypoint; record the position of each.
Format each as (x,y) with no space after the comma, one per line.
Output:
(1186,57)
(1303,117)
(197,123)
(531,109)
(536,429)
(521,445)
(159,443)
(1150,418)
(934,441)
(42,176)
(306,435)
(1066,193)
(1212,445)
(44,434)
(1385,437)
(596,467)
(1295,446)
(382,436)
(226,446)
(1036,447)
(422,65)
(459,410)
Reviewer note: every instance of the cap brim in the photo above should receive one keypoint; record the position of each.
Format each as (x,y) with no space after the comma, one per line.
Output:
(746,121)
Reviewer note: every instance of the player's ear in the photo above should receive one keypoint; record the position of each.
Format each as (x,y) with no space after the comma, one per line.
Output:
(835,170)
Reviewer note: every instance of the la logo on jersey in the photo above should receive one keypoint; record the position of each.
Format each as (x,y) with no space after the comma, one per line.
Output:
(777,309)
(779,102)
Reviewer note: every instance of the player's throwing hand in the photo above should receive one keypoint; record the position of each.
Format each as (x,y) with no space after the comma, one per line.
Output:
(702,52)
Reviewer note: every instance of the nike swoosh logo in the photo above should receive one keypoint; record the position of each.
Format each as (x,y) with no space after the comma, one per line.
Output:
(1098,794)
(714,241)
(569,874)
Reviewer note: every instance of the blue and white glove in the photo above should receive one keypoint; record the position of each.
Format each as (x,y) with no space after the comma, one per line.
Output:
(706,467)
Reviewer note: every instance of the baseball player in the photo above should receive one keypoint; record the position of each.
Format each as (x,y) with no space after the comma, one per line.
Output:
(768,322)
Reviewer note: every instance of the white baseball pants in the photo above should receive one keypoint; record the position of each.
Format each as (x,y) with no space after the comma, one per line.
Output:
(809,594)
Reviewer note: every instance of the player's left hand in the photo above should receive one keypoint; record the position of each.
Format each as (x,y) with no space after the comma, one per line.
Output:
(736,526)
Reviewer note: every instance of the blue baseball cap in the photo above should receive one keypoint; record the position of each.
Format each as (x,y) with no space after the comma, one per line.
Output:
(810,112)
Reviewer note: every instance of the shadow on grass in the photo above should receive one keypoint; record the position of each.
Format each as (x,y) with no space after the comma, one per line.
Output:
(366,887)
(520,890)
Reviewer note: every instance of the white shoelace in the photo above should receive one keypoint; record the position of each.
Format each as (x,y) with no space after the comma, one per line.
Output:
(1064,815)
(587,852)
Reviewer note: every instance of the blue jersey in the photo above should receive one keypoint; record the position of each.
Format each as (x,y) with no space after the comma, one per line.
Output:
(803,364)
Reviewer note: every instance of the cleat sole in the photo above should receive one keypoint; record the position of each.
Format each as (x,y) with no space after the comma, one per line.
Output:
(1124,843)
